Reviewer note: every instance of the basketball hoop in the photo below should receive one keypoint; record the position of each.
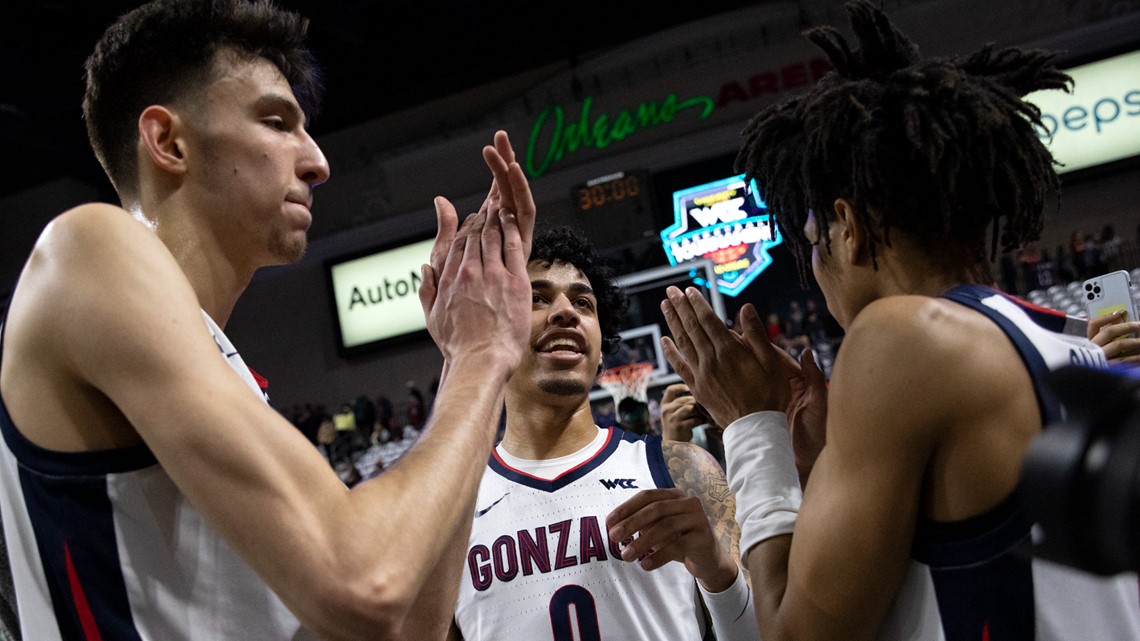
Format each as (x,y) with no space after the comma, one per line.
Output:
(623,381)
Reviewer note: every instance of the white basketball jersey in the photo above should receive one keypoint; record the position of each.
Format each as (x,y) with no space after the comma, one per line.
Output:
(103,545)
(540,564)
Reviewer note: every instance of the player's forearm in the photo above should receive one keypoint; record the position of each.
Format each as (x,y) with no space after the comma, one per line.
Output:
(432,613)
(768,567)
(733,610)
(765,482)
(420,505)
(438,477)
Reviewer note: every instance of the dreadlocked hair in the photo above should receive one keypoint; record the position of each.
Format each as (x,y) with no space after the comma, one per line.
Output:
(942,149)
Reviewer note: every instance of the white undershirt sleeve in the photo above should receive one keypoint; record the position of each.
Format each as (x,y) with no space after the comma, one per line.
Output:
(733,611)
(762,475)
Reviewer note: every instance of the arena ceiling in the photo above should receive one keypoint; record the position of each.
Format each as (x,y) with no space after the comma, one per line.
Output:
(408,52)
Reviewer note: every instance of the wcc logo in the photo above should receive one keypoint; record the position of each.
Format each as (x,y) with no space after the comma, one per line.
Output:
(624,484)
(726,222)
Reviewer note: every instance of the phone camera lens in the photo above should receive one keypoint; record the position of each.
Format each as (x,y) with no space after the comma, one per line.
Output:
(1091,296)
(1096,290)
(1088,287)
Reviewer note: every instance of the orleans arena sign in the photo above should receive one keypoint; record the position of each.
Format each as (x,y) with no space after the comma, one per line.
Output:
(558,132)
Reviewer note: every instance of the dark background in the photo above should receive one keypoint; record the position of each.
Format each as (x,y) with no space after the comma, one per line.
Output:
(380,57)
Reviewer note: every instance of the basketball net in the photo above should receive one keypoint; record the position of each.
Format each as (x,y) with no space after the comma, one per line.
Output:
(623,381)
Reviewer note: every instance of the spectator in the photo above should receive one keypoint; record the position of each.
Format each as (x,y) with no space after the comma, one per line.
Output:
(1110,249)
(1027,259)
(794,325)
(683,419)
(1094,256)
(1077,254)
(633,416)
(814,324)
(775,328)
(1046,271)
(415,413)
(1066,271)
(385,429)
(1009,273)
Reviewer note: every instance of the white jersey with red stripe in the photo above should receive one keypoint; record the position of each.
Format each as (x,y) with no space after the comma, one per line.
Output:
(540,564)
(104,546)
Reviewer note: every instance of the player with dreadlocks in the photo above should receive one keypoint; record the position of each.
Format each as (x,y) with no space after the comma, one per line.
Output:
(896,178)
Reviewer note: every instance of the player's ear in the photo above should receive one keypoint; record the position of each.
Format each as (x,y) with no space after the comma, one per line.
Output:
(159,138)
(849,234)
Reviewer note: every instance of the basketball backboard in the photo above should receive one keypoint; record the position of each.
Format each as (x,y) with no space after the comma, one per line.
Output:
(645,324)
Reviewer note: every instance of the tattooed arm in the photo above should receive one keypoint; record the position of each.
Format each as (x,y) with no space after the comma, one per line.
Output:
(696,473)
(693,523)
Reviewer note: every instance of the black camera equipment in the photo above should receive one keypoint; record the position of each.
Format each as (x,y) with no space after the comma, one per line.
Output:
(1081,476)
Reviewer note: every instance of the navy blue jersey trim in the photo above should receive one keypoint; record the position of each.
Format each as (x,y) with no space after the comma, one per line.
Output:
(972,296)
(949,544)
(569,477)
(73,517)
(656,458)
(53,463)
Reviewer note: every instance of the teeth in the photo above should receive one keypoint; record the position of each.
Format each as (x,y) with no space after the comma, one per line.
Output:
(560,342)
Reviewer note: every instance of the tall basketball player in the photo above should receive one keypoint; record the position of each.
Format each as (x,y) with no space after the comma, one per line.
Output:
(148,490)
(540,563)
(896,178)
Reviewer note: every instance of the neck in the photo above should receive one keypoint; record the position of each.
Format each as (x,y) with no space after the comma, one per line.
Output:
(906,270)
(545,430)
(218,277)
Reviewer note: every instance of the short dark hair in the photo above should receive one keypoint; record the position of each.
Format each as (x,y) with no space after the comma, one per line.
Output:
(938,148)
(165,49)
(564,244)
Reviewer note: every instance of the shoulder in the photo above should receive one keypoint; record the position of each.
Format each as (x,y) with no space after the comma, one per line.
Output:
(93,236)
(90,252)
(85,259)
(920,333)
(910,361)
(90,219)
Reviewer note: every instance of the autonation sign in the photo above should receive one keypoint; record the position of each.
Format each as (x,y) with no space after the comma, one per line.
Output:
(1100,121)
(724,221)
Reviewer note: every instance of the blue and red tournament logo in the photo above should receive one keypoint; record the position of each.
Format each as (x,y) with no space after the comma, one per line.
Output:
(726,221)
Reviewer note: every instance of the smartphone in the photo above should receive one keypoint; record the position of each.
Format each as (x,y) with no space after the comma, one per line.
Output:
(1109,293)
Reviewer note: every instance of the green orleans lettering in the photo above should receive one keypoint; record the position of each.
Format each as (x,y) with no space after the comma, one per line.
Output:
(567,138)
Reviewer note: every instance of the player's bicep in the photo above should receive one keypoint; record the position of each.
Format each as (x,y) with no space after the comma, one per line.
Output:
(130,322)
(696,472)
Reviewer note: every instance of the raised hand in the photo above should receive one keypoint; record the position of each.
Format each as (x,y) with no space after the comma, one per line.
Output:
(731,374)
(680,413)
(510,186)
(485,257)
(807,410)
